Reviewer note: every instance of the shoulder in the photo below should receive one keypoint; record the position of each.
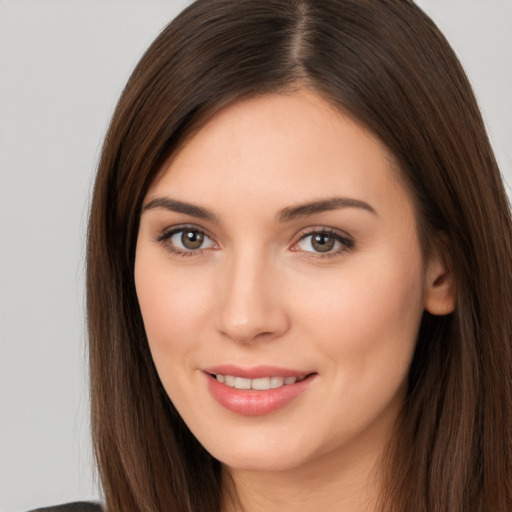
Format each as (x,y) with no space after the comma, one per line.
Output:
(78,506)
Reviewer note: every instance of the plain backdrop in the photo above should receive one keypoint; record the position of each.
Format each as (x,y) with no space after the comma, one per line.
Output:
(63,64)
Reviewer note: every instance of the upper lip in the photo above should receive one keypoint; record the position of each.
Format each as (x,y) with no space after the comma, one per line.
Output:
(255,372)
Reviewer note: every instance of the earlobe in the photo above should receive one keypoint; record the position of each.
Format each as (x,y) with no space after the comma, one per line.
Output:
(440,289)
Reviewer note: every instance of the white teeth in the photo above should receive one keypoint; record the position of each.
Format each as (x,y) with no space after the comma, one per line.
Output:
(276,382)
(229,380)
(242,383)
(261,384)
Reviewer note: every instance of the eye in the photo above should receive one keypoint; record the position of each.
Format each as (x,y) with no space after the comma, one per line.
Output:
(324,242)
(185,241)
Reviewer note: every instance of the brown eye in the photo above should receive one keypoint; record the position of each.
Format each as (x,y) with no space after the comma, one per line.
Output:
(322,242)
(192,240)
(186,241)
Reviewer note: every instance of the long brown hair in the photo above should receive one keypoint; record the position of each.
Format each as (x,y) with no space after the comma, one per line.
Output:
(386,64)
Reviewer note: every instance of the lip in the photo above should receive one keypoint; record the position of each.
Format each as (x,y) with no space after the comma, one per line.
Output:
(253,402)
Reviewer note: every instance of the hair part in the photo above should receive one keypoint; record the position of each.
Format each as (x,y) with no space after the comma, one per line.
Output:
(386,65)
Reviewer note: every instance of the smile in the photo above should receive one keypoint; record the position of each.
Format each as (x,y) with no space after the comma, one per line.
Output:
(256,391)
(261,384)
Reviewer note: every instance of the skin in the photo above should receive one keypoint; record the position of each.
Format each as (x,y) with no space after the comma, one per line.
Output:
(258,292)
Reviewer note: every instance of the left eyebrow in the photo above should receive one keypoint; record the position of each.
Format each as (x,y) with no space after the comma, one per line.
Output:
(335,203)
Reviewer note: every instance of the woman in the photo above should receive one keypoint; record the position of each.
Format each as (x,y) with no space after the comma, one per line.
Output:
(299,274)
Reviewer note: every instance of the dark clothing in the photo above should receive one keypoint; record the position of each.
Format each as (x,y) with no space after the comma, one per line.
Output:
(77,506)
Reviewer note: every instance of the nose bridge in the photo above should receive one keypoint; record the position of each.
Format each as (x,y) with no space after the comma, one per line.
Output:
(249,306)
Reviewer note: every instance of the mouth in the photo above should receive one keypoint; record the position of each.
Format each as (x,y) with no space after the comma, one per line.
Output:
(256,391)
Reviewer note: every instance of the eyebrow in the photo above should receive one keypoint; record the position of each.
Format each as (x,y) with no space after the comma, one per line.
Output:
(334,203)
(287,214)
(181,207)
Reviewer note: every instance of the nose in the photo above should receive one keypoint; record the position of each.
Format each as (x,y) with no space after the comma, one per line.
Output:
(251,303)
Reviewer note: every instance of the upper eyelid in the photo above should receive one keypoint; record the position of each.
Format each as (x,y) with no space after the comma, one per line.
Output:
(321,229)
(346,242)
(301,233)
(169,231)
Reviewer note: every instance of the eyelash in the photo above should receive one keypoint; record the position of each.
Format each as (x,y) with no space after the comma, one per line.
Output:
(166,236)
(347,243)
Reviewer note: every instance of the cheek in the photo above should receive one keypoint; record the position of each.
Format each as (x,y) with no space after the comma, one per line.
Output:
(168,305)
(363,325)
(368,314)
(173,308)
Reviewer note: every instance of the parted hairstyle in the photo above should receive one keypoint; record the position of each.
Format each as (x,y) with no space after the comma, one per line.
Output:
(385,64)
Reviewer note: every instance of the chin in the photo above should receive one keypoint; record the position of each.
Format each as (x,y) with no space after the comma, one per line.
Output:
(255,451)
(262,461)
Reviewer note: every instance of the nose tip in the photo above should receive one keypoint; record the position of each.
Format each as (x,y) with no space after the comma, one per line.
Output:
(250,306)
(246,329)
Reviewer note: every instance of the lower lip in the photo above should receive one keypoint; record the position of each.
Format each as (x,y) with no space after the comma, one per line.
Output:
(253,402)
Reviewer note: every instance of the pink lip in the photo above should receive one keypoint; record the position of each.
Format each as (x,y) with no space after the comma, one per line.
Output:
(253,402)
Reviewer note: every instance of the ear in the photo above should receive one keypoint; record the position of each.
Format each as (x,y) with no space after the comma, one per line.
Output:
(440,289)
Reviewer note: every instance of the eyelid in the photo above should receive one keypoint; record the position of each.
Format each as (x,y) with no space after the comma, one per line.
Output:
(165,235)
(342,237)
(171,230)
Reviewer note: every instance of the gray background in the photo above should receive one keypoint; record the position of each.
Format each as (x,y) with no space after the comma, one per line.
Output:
(63,64)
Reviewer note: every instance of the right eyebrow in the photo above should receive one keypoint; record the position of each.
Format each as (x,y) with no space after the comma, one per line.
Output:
(180,207)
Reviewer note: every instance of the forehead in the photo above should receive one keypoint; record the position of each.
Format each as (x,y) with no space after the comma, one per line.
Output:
(281,148)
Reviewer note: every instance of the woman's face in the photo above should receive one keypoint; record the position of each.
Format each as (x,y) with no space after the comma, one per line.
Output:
(278,251)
